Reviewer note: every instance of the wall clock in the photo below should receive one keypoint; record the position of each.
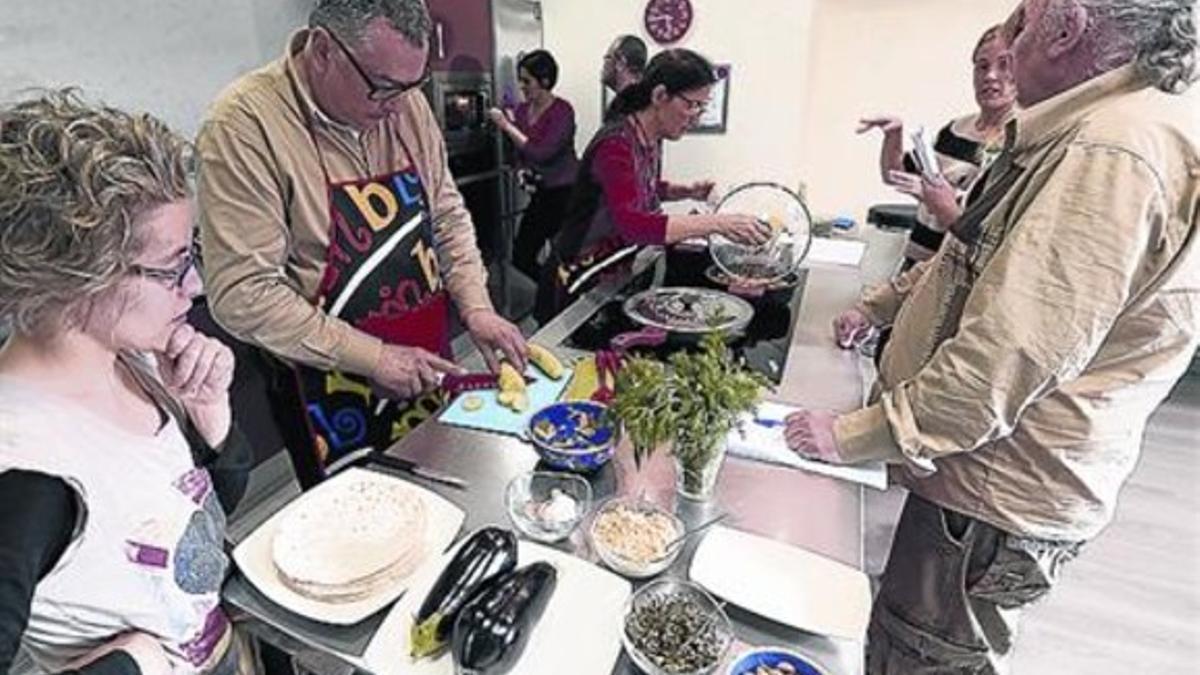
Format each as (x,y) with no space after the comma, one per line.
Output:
(667,21)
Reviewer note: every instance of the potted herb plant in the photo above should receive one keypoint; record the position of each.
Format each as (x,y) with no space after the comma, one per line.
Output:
(690,403)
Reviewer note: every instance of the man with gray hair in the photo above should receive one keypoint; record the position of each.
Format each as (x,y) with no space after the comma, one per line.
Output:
(624,63)
(333,234)
(1027,360)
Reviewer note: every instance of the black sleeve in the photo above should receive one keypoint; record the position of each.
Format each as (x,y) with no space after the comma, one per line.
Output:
(228,465)
(36,524)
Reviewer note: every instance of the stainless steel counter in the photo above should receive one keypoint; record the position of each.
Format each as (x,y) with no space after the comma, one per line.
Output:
(817,513)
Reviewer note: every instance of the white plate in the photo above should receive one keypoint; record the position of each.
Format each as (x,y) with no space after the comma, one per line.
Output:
(783,583)
(253,555)
(579,632)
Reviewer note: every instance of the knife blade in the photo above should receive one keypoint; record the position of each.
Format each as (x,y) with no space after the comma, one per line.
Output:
(409,466)
(457,384)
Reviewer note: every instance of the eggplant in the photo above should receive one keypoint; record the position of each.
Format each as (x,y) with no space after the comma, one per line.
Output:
(489,553)
(493,627)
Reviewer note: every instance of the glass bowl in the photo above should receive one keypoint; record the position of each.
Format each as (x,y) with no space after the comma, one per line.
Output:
(748,662)
(648,528)
(781,256)
(573,435)
(547,506)
(685,609)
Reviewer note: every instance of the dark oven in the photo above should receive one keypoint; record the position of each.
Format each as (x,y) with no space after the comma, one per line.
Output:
(461,101)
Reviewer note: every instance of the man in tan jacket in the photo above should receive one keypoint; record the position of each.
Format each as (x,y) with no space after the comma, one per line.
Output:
(1028,355)
(333,234)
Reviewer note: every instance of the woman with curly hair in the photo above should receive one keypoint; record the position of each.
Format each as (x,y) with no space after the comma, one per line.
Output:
(118,457)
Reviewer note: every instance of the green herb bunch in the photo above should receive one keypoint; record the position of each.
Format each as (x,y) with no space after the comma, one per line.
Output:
(692,402)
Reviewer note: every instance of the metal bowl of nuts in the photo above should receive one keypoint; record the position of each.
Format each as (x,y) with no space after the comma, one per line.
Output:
(773,661)
(674,627)
(632,536)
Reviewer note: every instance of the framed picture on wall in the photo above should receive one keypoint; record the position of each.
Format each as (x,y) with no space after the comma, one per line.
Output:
(715,116)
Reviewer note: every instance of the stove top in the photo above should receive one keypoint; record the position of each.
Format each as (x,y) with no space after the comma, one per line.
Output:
(764,343)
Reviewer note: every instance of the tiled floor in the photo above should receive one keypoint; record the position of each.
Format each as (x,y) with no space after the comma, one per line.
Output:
(1131,602)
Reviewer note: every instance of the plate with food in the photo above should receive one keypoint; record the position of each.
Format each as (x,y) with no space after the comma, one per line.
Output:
(543,623)
(346,548)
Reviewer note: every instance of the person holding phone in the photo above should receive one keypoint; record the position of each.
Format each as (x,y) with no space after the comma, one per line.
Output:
(119,456)
(960,150)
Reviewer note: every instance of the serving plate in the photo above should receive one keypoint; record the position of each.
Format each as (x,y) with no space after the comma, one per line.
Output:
(579,632)
(784,583)
(254,555)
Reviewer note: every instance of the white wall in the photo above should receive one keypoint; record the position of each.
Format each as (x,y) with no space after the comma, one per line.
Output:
(803,70)
(170,57)
(762,39)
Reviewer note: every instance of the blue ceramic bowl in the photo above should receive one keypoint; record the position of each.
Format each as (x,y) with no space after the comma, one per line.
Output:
(573,435)
(773,657)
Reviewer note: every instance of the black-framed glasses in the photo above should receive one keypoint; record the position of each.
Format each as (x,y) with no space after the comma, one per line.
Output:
(377,92)
(173,277)
(695,106)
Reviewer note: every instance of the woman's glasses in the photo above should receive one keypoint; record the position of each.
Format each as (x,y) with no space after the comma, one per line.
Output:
(173,277)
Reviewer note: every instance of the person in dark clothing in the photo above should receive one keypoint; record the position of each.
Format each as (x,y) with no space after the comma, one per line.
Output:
(543,130)
(119,459)
(624,63)
(615,208)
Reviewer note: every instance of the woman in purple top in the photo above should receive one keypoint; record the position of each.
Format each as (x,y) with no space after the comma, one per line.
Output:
(543,130)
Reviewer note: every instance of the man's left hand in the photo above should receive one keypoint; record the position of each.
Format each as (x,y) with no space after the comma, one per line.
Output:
(492,333)
(809,433)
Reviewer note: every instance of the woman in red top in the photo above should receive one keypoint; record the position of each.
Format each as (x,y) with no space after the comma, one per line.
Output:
(616,208)
(543,131)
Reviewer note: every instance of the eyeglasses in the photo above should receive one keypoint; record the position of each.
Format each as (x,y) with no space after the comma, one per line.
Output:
(696,107)
(377,92)
(174,277)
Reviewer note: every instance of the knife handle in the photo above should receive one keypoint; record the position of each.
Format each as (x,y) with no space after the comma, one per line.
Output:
(646,337)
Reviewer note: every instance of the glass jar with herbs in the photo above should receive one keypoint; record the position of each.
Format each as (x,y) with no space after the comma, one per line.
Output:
(690,403)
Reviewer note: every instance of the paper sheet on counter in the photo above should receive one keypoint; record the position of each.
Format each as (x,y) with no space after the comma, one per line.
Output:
(762,439)
(830,251)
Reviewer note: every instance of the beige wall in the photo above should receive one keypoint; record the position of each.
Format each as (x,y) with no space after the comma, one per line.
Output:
(803,73)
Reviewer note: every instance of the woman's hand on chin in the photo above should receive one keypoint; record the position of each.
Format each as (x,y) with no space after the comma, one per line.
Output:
(198,370)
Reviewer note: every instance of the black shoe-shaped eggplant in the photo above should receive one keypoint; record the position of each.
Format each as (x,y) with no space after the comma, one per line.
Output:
(488,554)
(493,627)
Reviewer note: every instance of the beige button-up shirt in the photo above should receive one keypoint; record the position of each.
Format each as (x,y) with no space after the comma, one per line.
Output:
(1029,353)
(265,215)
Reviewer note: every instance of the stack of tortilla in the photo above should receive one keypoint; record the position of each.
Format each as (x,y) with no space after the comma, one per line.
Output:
(342,545)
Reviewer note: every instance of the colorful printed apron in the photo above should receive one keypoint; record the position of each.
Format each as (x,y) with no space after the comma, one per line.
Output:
(382,277)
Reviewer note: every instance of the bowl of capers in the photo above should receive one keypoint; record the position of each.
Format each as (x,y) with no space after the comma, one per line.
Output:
(674,627)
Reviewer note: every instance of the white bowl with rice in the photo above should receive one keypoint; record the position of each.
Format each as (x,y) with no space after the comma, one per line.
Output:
(630,536)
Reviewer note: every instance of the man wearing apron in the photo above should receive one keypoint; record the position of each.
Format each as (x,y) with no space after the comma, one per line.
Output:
(333,235)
